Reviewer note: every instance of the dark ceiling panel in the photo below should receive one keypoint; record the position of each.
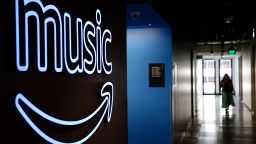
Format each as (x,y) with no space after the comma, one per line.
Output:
(200,21)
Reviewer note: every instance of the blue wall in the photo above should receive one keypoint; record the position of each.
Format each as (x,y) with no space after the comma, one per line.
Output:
(149,108)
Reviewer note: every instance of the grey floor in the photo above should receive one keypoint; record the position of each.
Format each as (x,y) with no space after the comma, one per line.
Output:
(214,126)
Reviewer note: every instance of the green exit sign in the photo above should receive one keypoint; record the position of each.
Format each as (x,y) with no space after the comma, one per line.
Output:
(231,52)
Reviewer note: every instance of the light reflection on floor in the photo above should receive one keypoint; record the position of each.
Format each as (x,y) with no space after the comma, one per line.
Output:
(206,107)
(214,126)
(209,107)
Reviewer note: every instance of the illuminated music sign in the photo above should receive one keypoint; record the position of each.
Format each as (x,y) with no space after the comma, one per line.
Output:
(89,56)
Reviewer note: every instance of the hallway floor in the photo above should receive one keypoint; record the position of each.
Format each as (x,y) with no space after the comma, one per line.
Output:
(214,126)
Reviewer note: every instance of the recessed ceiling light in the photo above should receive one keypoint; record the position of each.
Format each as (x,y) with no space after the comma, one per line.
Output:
(228,19)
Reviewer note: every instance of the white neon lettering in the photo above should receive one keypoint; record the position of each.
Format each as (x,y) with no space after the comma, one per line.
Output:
(17,20)
(79,43)
(25,67)
(106,40)
(90,56)
(67,16)
(46,44)
(98,42)
(27,15)
(93,59)
(107,100)
(88,63)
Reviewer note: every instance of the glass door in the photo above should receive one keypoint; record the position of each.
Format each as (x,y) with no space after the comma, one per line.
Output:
(225,68)
(209,76)
(213,72)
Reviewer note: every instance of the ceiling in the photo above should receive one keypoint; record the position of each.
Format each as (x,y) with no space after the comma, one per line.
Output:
(206,21)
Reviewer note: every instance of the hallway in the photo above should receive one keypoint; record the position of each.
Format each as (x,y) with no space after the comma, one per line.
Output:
(213,126)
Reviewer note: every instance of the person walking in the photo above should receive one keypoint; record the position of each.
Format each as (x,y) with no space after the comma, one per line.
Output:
(227,89)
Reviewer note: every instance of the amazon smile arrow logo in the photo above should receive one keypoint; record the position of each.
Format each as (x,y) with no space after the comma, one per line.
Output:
(107,101)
